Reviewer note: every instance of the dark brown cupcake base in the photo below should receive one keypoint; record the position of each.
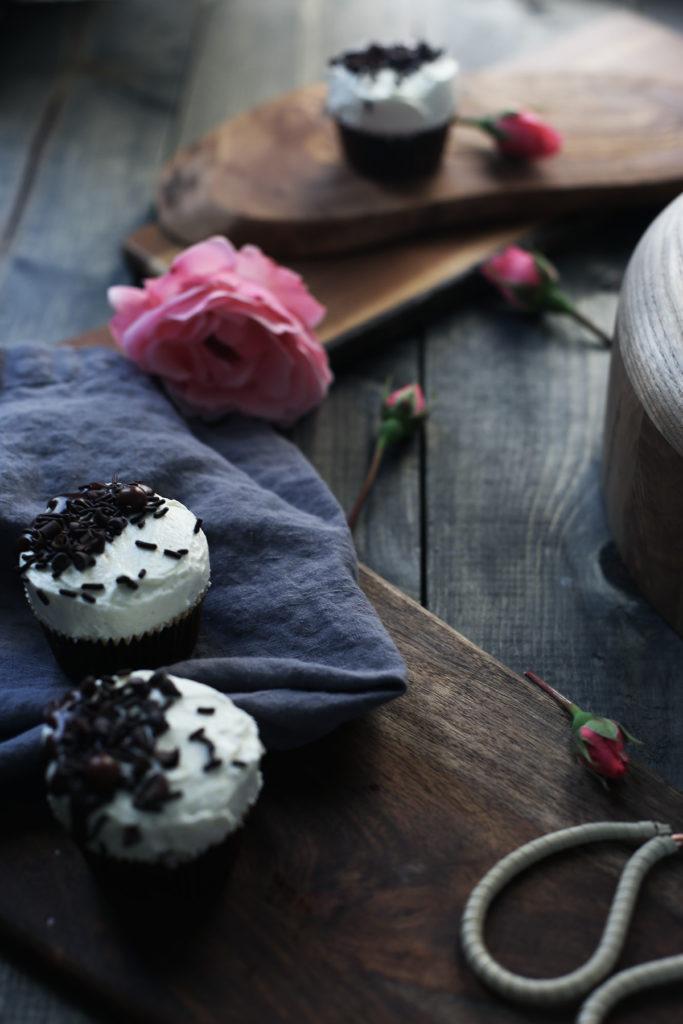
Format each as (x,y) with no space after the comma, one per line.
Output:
(80,658)
(397,158)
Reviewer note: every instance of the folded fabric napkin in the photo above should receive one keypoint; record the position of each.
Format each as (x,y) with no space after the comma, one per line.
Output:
(286,631)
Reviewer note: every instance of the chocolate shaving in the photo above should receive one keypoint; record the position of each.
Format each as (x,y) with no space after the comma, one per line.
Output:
(103,741)
(77,525)
(403,60)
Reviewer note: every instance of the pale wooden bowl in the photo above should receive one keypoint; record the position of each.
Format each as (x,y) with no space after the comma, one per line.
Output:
(643,442)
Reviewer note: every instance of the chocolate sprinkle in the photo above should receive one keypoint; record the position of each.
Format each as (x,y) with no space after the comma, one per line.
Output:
(198,525)
(126,581)
(103,741)
(92,586)
(206,711)
(43,596)
(200,737)
(131,835)
(403,60)
(67,593)
(87,597)
(146,545)
(142,574)
(175,554)
(77,525)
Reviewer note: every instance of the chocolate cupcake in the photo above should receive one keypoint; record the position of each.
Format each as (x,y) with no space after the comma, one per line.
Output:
(116,575)
(150,768)
(393,106)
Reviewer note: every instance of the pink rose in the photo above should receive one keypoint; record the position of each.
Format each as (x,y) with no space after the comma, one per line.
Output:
(603,754)
(402,413)
(523,134)
(227,330)
(514,269)
(410,396)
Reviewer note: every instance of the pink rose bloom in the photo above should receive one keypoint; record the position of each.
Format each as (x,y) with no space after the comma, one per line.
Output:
(523,134)
(511,269)
(227,330)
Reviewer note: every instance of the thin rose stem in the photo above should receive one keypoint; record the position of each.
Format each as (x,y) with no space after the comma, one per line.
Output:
(589,325)
(563,701)
(369,480)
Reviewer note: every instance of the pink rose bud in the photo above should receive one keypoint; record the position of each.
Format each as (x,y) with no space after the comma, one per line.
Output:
(519,276)
(599,742)
(523,134)
(410,396)
(529,282)
(601,747)
(402,412)
(226,330)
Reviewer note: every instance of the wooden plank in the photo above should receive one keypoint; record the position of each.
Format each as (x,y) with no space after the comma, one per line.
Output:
(98,118)
(343,898)
(519,555)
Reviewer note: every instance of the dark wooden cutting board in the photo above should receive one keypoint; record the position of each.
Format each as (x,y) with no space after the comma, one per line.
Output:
(367,288)
(343,898)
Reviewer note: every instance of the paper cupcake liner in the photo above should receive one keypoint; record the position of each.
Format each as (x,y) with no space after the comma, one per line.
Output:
(171,642)
(394,157)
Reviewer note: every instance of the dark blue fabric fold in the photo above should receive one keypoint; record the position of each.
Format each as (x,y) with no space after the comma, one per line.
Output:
(286,631)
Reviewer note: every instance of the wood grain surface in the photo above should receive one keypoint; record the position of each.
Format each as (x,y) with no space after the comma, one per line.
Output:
(343,897)
(493,518)
(365,289)
(643,446)
(362,290)
(275,175)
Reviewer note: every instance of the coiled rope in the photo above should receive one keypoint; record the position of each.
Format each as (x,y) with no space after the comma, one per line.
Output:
(576,984)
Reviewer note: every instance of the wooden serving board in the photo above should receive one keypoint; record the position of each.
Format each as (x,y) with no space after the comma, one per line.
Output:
(365,289)
(343,899)
(275,176)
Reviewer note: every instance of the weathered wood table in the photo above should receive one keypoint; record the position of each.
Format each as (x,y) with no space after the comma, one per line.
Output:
(492,519)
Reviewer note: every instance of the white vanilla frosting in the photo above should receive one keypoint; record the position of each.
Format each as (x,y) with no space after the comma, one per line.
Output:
(388,102)
(204,797)
(153,571)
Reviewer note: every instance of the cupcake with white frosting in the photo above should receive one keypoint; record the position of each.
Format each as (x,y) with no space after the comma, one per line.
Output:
(393,106)
(150,768)
(116,576)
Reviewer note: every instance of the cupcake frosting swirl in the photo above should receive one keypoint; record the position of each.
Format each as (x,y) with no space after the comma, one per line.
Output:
(396,90)
(113,561)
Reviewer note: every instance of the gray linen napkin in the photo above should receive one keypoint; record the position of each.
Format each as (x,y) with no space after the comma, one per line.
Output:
(286,631)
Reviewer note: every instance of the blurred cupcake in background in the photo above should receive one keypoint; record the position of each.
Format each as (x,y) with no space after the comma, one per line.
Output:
(393,106)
